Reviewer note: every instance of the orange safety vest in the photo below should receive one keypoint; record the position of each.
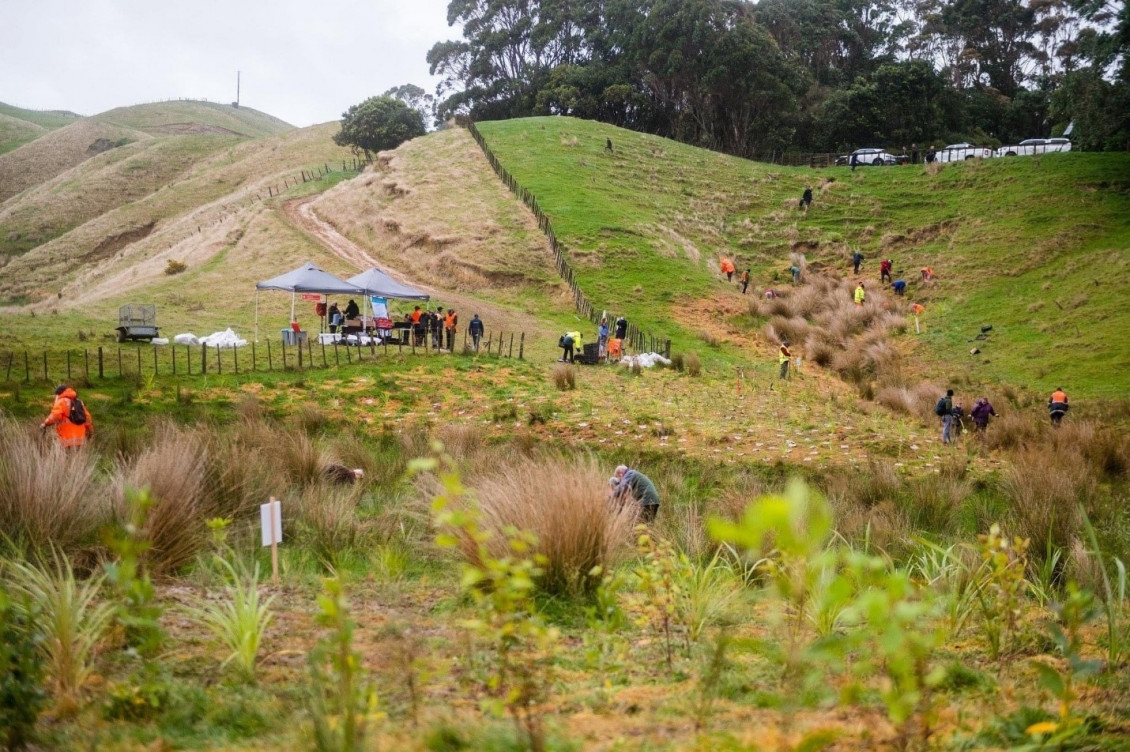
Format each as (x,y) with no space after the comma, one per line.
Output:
(1058,396)
(449,321)
(415,317)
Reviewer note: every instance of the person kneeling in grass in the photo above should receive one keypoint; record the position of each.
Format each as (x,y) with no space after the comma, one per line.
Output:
(635,486)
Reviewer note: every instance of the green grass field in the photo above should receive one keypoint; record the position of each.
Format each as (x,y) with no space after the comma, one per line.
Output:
(1034,247)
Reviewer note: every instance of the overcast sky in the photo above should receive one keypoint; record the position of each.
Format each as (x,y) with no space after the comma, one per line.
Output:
(304,61)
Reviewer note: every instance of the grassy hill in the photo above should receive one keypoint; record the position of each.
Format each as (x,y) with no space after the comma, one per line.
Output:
(49,153)
(185,117)
(19,126)
(1033,247)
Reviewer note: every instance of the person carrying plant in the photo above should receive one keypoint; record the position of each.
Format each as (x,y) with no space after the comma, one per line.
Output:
(783,356)
(944,410)
(860,295)
(982,410)
(634,485)
(1057,405)
(72,421)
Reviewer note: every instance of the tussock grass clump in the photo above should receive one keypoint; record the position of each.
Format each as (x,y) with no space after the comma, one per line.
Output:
(677,362)
(327,522)
(564,376)
(47,494)
(174,470)
(564,502)
(1046,490)
(692,364)
(779,328)
(710,339)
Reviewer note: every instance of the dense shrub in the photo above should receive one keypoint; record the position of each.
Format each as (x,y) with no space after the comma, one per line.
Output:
(692,364)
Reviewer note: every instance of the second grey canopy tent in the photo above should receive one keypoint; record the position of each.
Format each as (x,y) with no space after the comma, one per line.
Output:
(306,278)
(374,282)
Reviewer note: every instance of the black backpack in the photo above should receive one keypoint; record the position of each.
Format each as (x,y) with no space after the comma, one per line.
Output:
(77,414)
(940,408)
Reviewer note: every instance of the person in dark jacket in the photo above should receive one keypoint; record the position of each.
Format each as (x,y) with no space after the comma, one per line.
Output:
(856,260)
(635,486)
(351,310)
(982,410)
(475,329)
(944,410)
(334,315)
(621,328)
(806,199)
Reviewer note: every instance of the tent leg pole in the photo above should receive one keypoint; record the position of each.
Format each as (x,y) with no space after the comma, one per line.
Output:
(292,306)
(256,315)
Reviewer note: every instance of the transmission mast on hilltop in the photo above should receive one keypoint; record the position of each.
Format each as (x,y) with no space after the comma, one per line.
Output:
(235,104)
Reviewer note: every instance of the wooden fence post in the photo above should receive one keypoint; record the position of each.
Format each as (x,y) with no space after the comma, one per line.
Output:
(284,354)
(27,368)
(120,372)
(254,359)
(510,352)
(219,360)
(188,355)
(522,346)
(68,365)
(86,361)
(270,362)
(204,359)
(45,376)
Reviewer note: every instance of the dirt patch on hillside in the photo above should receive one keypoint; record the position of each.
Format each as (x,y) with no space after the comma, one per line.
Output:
(893,242)
(115,243)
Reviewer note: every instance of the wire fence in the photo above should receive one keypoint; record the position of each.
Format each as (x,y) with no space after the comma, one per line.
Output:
(636,339)
(142,361)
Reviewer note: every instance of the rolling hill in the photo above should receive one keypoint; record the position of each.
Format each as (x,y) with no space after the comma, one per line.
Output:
(1034,248)
(19,126)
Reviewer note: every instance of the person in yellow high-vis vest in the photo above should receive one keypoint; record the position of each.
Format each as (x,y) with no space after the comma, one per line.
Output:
(860,295)
(783,356)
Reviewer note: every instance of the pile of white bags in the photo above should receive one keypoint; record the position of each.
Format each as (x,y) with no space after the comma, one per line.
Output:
(224,339)
(646,360)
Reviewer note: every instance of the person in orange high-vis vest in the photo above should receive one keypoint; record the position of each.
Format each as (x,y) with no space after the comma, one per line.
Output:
(1057,405)
(71,435)
(450,321)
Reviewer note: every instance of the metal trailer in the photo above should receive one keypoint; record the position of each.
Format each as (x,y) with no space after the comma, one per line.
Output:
(137,322)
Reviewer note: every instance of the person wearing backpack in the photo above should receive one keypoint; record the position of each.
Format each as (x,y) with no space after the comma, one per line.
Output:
(70,417)
(944,410)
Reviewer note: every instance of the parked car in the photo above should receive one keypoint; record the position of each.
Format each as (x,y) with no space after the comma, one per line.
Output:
(876,157)
(1030,146)
(958,152)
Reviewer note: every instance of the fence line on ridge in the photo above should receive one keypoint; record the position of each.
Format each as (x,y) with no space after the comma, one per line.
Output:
(636,338)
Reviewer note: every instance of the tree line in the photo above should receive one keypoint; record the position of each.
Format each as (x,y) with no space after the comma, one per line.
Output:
(809,75)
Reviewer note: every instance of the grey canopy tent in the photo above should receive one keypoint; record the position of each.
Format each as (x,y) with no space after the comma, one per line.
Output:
(375,282)
(306,278)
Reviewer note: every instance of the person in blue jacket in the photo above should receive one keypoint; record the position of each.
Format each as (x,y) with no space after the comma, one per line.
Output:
(475,329)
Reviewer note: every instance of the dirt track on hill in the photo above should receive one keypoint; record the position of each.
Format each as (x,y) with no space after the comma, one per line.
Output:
(301,213)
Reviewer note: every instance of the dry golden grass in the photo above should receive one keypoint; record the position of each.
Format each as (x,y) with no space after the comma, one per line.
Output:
(564,376)
(217,195)
(1047,490)
(54,153)
(174,469)
(47,495)
(564,502)
(486,239)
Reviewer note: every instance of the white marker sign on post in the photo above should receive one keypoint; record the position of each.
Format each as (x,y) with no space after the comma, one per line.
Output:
(270,522)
